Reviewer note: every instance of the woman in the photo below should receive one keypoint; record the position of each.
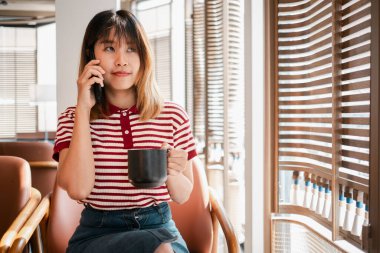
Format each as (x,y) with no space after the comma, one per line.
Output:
(93,139)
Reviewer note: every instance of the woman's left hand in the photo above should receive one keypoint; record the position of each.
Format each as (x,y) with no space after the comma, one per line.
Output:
(177,160)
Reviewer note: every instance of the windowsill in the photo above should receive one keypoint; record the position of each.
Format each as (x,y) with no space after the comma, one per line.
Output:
(319,229)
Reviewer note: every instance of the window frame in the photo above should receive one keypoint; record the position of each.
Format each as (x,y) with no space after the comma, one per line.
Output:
(272,120)
(374,208)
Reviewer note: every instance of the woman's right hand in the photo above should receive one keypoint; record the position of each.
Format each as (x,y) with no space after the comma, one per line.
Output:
(92,73)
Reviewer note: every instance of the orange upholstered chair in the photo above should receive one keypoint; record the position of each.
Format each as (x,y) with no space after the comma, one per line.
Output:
(39,155)
(197,219)
(31,151)
(17,198)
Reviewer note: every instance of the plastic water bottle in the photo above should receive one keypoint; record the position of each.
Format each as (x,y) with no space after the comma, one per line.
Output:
(321,199)
(327,205)
(308,193)
(350,213)
(314,198)
(366,216)
(359,216)
(342,209)
(295,189)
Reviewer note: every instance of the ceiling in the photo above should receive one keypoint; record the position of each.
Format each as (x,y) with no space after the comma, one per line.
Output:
(26,12)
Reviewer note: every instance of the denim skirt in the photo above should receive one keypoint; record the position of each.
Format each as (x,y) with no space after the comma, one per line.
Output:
(131,230)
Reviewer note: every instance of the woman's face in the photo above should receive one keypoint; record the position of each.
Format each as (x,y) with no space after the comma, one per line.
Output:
(120,60)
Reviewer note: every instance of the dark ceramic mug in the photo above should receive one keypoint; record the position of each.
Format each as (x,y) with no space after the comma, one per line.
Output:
(147,168)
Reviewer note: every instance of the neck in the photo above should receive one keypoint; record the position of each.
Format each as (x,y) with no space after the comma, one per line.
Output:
(123,99)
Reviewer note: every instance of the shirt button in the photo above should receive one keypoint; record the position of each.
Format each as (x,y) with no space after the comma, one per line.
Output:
(124,114)
(126,132)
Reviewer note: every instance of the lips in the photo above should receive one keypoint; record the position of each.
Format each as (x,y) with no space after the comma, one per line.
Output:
(121,73)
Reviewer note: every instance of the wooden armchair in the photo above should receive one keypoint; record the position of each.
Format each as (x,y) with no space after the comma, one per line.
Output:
(197,219)
(17,198)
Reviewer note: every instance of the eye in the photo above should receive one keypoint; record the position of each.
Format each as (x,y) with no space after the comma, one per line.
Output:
(131,49)
(109,49)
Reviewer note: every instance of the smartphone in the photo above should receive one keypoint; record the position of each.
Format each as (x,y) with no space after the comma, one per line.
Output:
(96,87)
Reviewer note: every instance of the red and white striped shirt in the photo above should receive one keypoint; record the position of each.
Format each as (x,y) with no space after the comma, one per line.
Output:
(111,139)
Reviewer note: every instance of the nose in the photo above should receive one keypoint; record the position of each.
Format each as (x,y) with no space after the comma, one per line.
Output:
(121,59)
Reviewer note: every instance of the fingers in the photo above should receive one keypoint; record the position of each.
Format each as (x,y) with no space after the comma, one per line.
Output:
(88,73)
(172,172)
(166,146)
(87,82)
(96,79)
(92,66)
(176,166)
(91,74)
(177,159)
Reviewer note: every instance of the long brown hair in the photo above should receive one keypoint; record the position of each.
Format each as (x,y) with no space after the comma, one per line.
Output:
(128,28)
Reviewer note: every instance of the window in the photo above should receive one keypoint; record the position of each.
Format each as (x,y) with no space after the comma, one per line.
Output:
(18,72)
(218,100)
(27,82)
(324,109)
(156,19)
(214,86)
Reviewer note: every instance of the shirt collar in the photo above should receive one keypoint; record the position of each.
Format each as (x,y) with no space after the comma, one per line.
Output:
(114,109)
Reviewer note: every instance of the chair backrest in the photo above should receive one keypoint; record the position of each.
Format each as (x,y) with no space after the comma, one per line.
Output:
(43,177)
(31,151)
(64,215)
(15,189)
(193,218)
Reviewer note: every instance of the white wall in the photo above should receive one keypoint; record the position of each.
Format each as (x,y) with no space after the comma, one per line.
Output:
(178,49)
(46,77)
(257,227)
(72,17)
(46,58)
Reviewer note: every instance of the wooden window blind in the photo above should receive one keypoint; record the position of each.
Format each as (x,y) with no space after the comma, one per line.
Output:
(323,86)
(223,73)
(218,99)
(199,66)
(17,75)
(189,80)
(162,50)
(215,65)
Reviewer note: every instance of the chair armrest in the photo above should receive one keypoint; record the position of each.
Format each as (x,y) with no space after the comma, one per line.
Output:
(217,210)
(47,164)
(10,235)
(40,214)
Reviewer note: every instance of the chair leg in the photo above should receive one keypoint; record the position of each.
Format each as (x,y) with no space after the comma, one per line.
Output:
(36,241)
(215,233)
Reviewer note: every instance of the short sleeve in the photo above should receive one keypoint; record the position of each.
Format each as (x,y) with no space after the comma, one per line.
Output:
(64,131)
(183,136)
